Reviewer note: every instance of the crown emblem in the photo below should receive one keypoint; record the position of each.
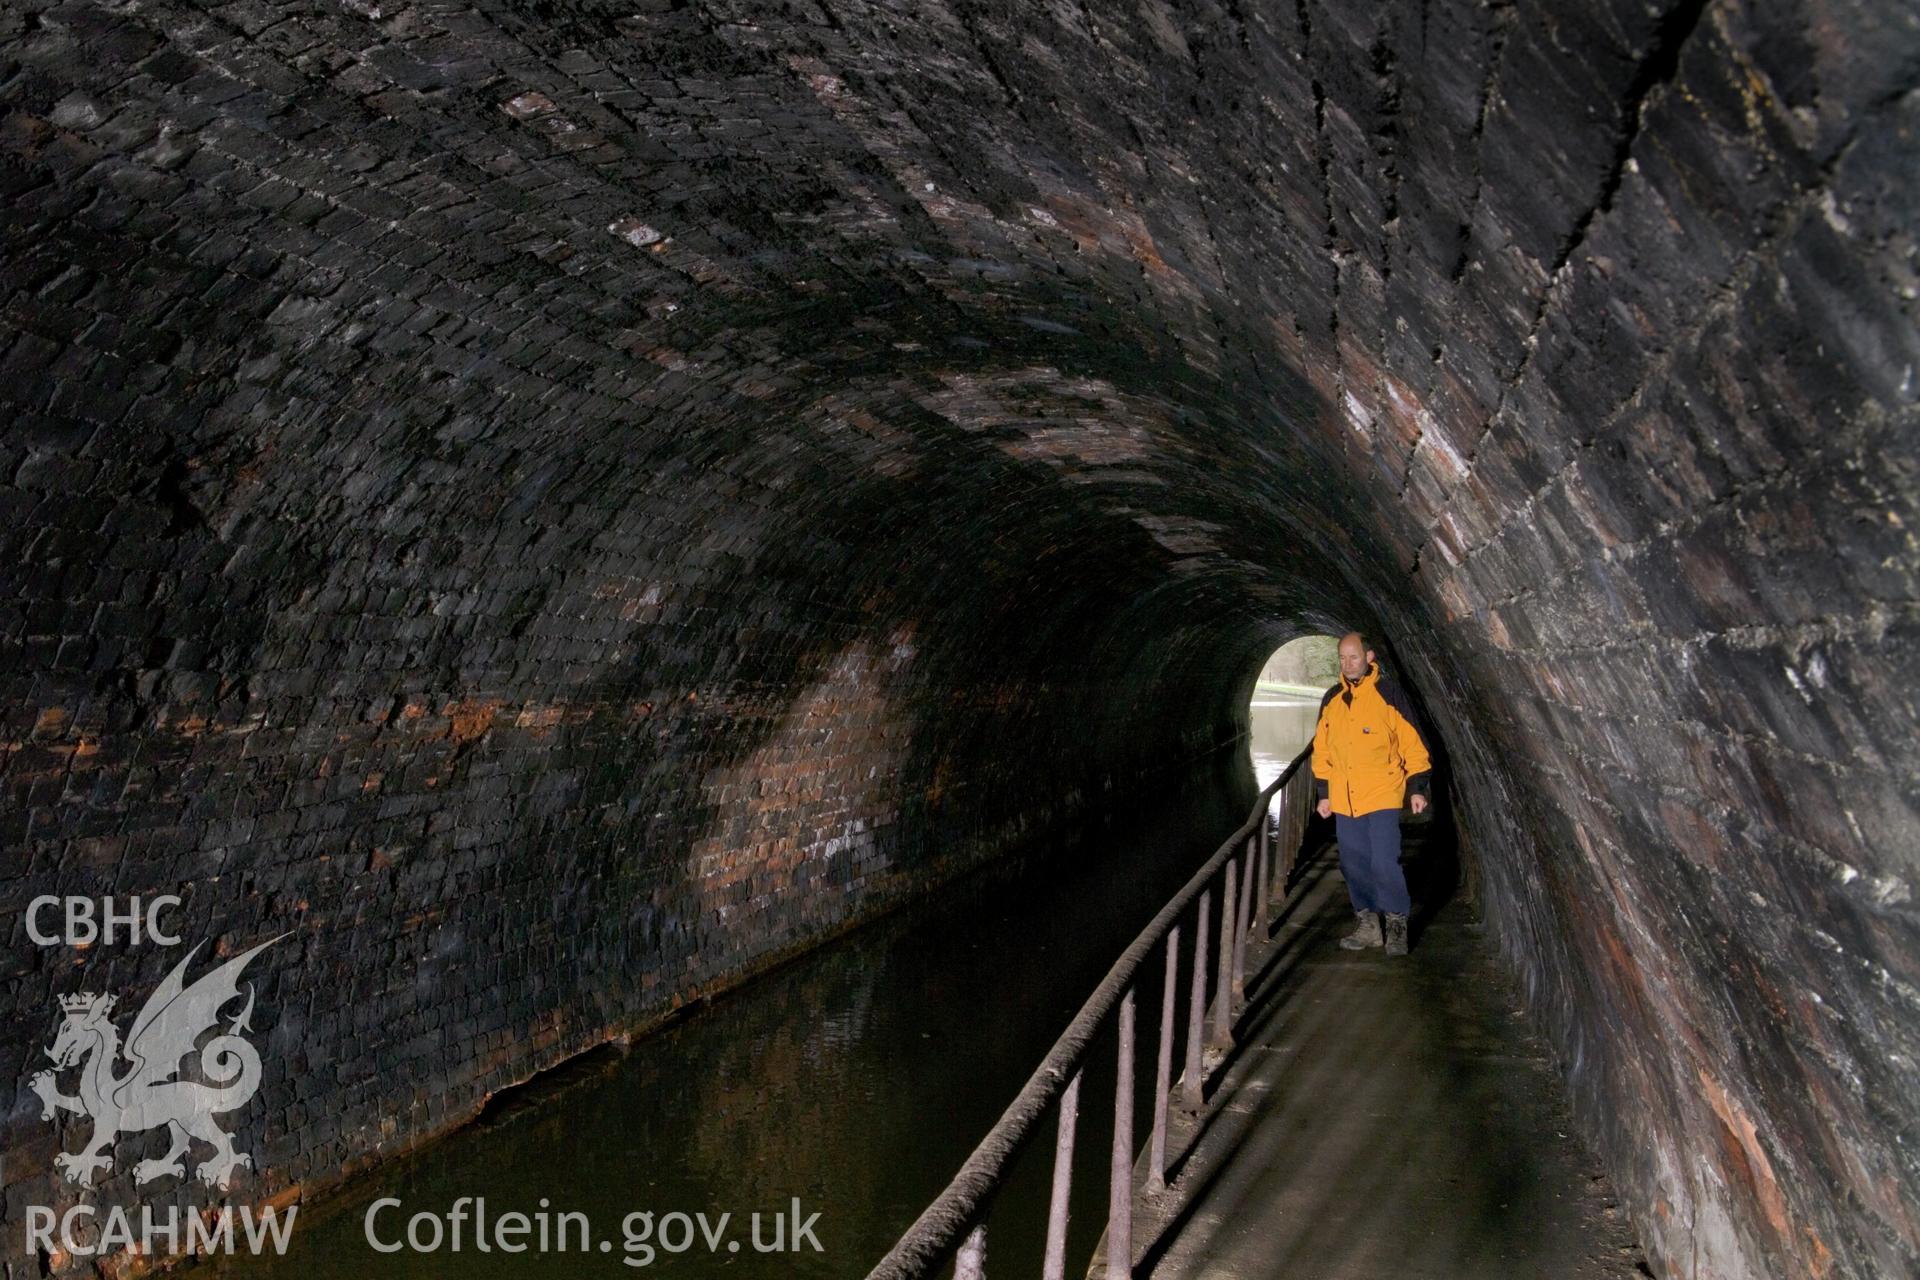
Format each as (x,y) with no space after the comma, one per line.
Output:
(86,1002)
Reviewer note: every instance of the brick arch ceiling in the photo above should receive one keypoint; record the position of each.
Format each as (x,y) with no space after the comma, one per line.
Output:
(656,481)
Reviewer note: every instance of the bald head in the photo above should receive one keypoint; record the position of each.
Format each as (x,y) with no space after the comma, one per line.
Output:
(1355,656)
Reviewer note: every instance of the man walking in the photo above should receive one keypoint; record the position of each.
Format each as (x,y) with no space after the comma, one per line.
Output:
(1367,756)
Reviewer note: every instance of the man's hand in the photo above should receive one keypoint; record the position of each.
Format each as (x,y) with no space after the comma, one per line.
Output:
(1324,808)
(1419,804)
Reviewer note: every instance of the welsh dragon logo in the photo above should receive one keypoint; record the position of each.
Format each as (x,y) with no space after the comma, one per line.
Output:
(144,1095)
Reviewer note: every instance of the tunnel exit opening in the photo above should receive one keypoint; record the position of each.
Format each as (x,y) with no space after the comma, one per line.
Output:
(1285,700)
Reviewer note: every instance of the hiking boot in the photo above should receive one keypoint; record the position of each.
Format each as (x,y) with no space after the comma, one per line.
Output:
(1396,935)
(1365,934)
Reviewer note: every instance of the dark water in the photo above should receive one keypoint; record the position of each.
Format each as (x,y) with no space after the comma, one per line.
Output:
(855,1080)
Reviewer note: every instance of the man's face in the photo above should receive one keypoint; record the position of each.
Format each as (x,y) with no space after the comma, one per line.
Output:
(1354,660)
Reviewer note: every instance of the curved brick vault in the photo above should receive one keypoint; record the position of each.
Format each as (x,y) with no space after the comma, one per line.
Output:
(560,503)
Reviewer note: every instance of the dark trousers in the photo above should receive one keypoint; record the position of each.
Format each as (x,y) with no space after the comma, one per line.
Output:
(1370,860)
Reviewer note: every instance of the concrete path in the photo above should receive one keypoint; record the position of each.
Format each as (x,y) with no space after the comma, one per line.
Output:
(1381,1120)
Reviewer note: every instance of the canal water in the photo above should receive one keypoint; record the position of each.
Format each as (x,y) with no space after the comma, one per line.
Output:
(1282,725)
(853,1081)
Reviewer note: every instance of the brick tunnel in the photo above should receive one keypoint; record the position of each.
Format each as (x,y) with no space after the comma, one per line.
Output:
(556,507)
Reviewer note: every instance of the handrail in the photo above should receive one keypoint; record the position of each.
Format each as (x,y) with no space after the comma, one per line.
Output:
(961,1208)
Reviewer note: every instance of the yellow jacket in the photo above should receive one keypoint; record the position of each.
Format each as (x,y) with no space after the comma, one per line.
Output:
(1367,755)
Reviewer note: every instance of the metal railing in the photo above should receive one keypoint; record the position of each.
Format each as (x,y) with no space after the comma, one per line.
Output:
(1245,871)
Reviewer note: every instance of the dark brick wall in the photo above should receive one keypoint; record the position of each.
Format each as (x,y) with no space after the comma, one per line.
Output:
(558,503)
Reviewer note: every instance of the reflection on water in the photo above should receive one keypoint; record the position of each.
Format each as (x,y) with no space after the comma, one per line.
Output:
(856,1080)
(1281,727)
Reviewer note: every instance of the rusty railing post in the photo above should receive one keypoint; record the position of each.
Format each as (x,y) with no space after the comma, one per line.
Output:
(1190,1080)
(971,1262)
(1276,877)
(1240,926)
(1261,865)
(1305,805)
(1120,1184)
(1301,808)
(1163,1067)
(1298,813)
(1223,983)
(1055,1265)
